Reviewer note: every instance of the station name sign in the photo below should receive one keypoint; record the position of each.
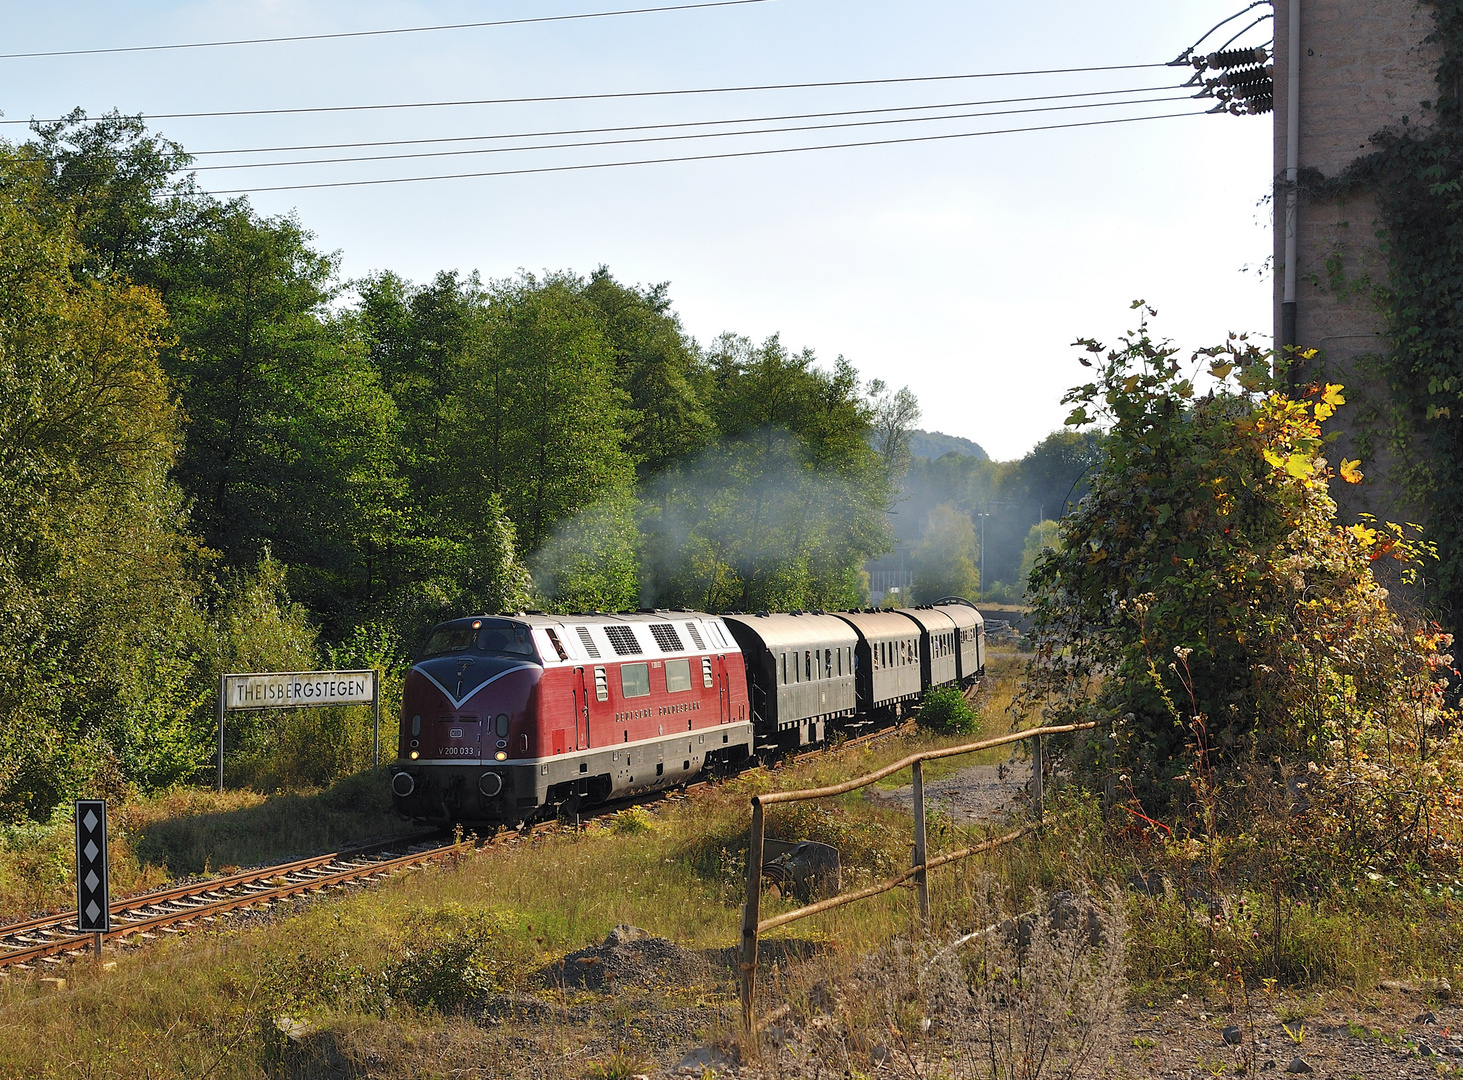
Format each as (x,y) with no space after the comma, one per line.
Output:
(298,689)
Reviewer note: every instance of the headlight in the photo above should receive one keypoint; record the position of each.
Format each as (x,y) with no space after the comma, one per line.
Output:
(415,755)
(500,755)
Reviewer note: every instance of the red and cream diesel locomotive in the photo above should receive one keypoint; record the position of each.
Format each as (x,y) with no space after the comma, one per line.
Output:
(508,717)
(505,716)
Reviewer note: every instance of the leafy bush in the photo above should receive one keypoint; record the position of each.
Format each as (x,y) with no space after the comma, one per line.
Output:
(448,956)
(1207,604)
(946,712)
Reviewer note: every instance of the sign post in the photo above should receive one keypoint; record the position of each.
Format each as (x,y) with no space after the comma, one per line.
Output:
(93,891)
(253,691)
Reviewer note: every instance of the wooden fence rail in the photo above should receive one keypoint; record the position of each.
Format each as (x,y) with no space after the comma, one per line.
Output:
(753,926)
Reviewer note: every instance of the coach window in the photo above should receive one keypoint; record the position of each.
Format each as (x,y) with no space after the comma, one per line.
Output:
(677,676)
(828,663)
(808,664)
(635,680)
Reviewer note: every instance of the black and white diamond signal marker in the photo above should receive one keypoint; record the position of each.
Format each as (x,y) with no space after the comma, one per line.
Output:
(93,900)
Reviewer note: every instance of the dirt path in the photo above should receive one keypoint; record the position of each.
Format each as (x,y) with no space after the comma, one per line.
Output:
(978,793)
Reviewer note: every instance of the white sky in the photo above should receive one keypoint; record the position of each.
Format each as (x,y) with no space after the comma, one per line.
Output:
(963,268)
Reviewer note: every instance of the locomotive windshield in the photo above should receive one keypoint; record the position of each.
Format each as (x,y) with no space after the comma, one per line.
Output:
(481,635)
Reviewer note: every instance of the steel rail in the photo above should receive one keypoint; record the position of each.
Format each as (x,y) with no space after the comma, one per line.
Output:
(247,898)
(174,893)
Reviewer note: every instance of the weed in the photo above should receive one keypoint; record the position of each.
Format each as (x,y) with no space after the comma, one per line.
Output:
(632,821)
(1043,989)
(620,1065)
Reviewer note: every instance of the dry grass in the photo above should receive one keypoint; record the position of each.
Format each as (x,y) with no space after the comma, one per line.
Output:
(678,874)
(191,831)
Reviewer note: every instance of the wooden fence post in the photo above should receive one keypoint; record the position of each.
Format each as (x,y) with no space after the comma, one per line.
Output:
(751,914)
(921,856)
(1037,768)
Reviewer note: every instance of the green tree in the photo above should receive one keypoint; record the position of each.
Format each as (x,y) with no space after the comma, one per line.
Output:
(786,508)
(1044,536)
(658,367)
(290,435)
(545,433)
(895,412)
(122,188)
(591,562)
(98,579)
(946,558)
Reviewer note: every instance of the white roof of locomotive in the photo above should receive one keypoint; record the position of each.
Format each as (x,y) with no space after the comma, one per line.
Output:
(594,639)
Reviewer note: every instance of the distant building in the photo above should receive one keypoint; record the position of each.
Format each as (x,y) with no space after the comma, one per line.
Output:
(890,574)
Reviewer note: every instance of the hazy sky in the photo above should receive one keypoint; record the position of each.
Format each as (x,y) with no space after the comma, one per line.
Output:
(963,268)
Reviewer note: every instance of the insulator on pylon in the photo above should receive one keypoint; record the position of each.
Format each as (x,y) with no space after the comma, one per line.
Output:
(1247,77)
(1234,58)
(1259,106)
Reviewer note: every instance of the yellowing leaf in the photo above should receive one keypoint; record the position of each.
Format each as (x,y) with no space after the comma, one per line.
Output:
(1350,471)
(1275,460)
(1324,411)
(1220,371)
(1366,536)
(1332,395)
(1299,466)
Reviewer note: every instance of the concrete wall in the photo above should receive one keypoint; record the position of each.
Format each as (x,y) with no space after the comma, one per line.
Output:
(1364,68)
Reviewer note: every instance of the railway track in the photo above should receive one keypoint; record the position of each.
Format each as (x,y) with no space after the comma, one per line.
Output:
(51,940)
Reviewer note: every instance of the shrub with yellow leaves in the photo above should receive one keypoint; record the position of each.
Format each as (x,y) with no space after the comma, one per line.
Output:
(1227,618)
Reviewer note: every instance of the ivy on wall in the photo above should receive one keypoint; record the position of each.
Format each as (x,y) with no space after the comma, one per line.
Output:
(1415,174)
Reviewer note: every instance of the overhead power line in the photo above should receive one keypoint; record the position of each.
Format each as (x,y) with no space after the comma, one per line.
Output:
(619,95)
(680,124)
(698,157)
(692,135)
(379,33)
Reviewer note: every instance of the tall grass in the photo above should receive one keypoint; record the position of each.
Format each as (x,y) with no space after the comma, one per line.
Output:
(189,831)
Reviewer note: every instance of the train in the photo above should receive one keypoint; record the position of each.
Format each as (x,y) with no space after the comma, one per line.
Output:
(510,718)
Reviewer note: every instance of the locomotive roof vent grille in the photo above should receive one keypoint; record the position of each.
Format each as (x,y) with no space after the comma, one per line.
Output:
(666,637)
(589,645)
(696,636)
(623,639)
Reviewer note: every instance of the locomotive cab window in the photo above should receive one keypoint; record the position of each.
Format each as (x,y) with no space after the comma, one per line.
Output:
(501,636)
(635,680)
(677,676)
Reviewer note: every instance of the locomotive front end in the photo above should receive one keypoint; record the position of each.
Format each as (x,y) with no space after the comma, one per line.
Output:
(468,724)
